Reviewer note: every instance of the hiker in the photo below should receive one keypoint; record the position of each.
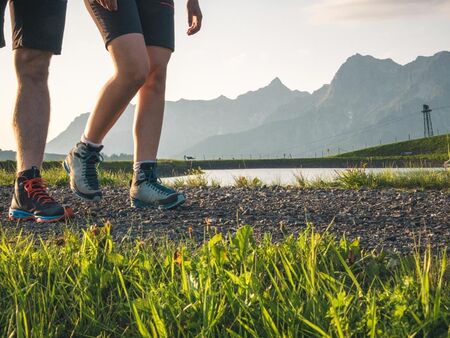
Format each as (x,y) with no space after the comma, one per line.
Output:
(139,35)
(38,27)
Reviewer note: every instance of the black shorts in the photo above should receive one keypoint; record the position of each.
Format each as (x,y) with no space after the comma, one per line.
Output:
(152,18)
(36,24)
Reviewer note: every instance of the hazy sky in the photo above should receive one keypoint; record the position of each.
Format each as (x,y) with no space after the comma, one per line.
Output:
(243,46)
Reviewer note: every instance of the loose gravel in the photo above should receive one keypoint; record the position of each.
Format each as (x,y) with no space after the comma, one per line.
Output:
(389,219)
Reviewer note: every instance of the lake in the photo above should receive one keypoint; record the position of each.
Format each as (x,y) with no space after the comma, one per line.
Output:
(285,176)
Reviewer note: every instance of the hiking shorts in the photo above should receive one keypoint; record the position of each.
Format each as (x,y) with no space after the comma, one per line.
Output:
(36,24)
(152,18)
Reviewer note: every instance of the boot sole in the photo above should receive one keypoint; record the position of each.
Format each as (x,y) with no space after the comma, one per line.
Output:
(94,198)
(138,204)
(22,215)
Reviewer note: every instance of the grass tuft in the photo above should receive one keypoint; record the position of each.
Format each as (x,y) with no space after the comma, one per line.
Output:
(195,178)
(246,182)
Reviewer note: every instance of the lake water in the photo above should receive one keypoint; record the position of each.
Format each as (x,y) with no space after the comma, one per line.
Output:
(284,176)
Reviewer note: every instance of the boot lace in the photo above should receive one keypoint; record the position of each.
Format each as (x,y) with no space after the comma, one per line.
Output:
(155,183)
(37,190)
(90,173)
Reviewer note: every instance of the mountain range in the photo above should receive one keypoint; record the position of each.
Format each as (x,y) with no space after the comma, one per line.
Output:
(369,101)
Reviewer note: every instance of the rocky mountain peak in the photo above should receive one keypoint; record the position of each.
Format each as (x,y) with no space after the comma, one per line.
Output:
(276,83)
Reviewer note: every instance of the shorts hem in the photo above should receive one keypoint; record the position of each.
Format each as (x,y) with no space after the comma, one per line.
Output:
(156,44)
(38,46)
(147,43)
(111,39)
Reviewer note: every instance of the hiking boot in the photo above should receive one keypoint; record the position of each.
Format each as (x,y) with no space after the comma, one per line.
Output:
(32,202)
(147,190)
(81,164)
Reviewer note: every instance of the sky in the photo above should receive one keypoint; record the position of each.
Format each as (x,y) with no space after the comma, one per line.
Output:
(243,46)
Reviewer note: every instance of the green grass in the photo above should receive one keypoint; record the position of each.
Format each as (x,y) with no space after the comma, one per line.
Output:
(356,178)
(360,178)
(56,176)
(436,148)
(313,286)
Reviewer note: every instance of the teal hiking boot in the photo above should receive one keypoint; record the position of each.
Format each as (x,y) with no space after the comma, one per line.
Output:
(81,164)
(147,191)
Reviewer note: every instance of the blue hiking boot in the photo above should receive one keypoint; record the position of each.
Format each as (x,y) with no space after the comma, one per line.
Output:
(81,164)
(147,191)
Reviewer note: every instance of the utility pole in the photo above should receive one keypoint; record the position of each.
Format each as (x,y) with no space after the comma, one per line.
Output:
(427,124)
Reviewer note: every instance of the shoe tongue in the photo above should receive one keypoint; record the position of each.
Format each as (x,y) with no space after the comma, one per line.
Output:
(147,166)
(149,169)
(34,172)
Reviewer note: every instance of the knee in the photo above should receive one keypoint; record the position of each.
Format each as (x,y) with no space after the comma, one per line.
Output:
(32,66)
(136,75)
(156,80)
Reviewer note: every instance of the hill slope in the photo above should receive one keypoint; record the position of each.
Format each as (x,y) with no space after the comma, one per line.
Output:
(433,147)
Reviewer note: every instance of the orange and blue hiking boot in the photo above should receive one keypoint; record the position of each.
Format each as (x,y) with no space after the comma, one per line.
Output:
(31,201)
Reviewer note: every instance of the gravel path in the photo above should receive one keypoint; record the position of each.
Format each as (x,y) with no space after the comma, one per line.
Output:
(388,219)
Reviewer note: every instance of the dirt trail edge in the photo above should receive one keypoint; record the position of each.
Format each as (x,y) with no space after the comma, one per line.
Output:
(389,219)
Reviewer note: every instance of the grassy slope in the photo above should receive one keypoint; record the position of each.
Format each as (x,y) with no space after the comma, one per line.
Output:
(434,147)
(310,286)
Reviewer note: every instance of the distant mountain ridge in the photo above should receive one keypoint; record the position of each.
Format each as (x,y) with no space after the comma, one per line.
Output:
(187,122)
(367,100)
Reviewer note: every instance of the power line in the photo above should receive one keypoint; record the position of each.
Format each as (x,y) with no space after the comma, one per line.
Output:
(440,108)
(368,128)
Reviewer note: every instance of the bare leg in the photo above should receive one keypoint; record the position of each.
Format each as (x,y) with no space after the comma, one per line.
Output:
(32,109)
(150,109)
(132,67)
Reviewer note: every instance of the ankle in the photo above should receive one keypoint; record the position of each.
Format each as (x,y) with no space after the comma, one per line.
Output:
(86,141)
(33,172)
(147,164)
